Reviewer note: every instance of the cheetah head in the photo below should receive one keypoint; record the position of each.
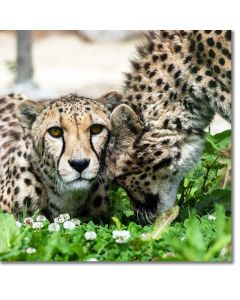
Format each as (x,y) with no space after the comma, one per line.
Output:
(69,138)
(148,166)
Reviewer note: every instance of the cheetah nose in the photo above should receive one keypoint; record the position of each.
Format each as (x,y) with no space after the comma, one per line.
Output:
(79,165)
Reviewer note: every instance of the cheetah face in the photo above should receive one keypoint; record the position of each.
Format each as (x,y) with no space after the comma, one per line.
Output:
(69,137)
(146,167)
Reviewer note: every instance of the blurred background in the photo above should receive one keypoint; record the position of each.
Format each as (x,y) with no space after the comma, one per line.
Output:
(48,64)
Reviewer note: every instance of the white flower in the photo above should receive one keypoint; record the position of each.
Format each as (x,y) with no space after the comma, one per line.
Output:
(68,225)
(92,259)
(90,235)
(28,221)
(41,218)
(59,220)
(223,251)
(144,235)
(18,224)
(37,225)
(211,217)
(62,218)
(120,233)
(56,220)
(168,254)
(53,227)
(121,236)
(31,250)
(183,238)
(76,222)
(66,217)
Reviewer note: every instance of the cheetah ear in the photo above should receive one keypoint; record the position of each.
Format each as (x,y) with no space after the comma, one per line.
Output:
(125,121)
(27,112)
(111,100)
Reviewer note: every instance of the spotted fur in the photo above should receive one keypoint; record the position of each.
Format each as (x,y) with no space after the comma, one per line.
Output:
(38,171)
(179,80)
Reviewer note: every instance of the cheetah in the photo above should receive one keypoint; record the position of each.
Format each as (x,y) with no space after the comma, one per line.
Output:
(52,156)
(178,81)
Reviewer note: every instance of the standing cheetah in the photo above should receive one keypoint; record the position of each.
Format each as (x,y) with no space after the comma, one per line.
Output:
(179,80)
(52,156)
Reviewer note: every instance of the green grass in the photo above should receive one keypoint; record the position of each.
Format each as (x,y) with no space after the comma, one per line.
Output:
(200,232)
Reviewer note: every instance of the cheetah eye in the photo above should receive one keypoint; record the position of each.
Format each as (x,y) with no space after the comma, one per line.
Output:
(55,132)
(96,128)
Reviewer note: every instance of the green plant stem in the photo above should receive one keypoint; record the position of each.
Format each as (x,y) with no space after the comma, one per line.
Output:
(206,176)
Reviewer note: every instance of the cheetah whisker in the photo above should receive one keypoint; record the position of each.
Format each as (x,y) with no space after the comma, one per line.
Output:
(138,216)
(147,218)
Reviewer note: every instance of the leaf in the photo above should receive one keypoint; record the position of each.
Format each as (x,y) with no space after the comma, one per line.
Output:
(217,246)
(218,141)
(223,139)
(78,249)
(222,196)
(8,231)
(162,222)
(220,221)
(128,213)
(117,222)
(197,173)
(194,235)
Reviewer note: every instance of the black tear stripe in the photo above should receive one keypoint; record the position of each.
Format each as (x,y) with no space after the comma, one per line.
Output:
(63,149)
(43,143)
(93,149)
(102,156)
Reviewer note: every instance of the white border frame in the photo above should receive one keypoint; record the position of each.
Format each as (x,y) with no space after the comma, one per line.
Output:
(127,281)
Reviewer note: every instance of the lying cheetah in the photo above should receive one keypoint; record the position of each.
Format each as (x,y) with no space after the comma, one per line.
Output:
(178,82)
(52,156)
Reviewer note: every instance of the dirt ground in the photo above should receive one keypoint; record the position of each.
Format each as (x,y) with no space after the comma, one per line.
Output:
(65,63)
